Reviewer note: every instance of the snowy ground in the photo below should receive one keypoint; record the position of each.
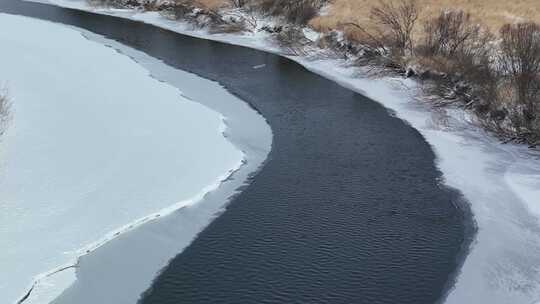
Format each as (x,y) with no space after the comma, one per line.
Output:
(501,182)
(95,148)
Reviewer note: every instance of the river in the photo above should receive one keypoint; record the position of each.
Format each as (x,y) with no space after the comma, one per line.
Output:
(348,208)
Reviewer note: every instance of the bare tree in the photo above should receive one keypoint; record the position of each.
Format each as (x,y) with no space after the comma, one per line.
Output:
(388,38)
(520,61)
(462,51)
(292,40)
(297,11)
(238,3)
(450,33)
(397,22)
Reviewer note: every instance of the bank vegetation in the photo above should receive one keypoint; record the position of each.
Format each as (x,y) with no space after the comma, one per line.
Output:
(484,57)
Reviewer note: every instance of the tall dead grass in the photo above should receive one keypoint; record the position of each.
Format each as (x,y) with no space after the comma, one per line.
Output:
(450,45)
(492,13)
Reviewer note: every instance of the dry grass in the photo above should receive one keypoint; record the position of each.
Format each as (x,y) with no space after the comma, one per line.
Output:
(492,13)
(459,70)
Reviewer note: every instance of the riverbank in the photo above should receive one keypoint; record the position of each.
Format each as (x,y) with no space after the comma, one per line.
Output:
(457,59)
(498,180)
(96,148)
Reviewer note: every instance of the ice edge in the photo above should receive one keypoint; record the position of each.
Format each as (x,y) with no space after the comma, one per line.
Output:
(141,221)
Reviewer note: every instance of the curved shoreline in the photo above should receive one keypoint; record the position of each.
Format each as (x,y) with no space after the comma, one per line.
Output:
(111,236)
(67,270)
(396,134)
(462,134)
(402,109)
(240,116)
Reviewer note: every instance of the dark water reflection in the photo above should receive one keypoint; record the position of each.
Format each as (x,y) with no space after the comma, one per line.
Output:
(348,208)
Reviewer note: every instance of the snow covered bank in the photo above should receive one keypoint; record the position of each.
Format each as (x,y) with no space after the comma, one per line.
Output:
(500,181)
(96,147)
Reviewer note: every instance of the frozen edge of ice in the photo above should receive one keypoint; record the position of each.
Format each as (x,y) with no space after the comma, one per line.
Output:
(131,226)
(222,129)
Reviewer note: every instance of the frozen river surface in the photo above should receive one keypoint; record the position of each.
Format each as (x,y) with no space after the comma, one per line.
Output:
(95,145)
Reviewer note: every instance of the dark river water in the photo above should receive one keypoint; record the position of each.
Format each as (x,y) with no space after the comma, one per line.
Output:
(348,208)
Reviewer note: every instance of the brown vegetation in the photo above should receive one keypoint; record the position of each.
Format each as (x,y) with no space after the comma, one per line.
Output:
(455,47)
(461,61)
(456,58)
(520,64)
(298,11)
(482,55)
(388,36)
(492,13)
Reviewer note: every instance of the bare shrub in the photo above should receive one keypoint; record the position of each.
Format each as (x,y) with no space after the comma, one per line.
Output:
(228,26)
(180,9)
(370,49)
(387,40)
(123,3)
(238,3)
(240,18)
(151,5)
(492,13)
(450,33)
(292,40)
(108,3)
(298,11)
(203,17)
(520,62)
(396,23)
(458,53)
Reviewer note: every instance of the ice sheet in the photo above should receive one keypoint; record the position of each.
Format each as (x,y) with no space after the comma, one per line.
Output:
(499,181)
(95,147)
